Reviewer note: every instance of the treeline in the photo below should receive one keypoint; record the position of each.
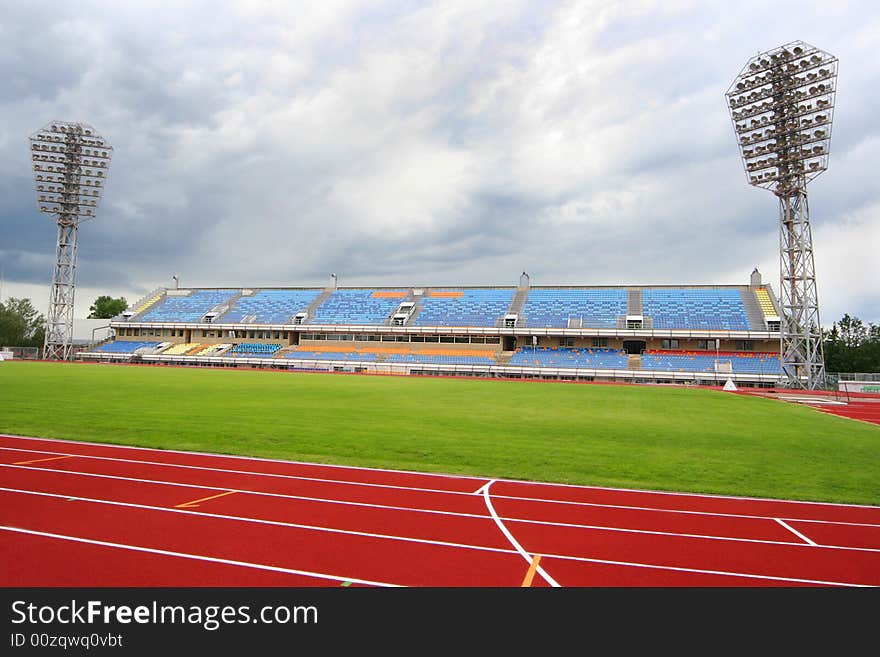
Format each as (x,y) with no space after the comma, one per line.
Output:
(20,324)
(852,346)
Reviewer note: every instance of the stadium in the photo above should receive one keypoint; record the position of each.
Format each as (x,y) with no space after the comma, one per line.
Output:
(694,334)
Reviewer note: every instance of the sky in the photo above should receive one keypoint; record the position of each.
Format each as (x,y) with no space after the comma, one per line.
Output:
(427,143)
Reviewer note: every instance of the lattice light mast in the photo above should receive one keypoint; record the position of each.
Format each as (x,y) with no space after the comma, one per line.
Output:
(70,162)
(781,105)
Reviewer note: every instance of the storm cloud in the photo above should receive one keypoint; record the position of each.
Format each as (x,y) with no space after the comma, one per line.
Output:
(411,143)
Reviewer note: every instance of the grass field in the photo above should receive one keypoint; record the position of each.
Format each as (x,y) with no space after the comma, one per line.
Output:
(629,436)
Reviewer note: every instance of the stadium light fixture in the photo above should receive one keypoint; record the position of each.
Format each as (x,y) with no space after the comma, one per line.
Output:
(781,105)
(70,164)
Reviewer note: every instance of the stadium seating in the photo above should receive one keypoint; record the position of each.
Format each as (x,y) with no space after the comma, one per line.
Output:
(439,359)
(190,308)
(765,303)
(741,363)
(463,307)
(553,307)
(695,308)
(125,346)
(271,306)
(585,358)
(362,307)
(302,354)
(180,349)
(211,349)
(255,350)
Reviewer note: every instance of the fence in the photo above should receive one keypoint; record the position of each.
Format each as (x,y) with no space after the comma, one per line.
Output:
(23,353)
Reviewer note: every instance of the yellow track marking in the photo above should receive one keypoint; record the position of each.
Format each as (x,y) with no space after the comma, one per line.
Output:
(188,505)
(530,575)
(51,458)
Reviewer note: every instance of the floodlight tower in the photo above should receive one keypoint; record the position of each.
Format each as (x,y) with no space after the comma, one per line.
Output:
(781,105)
(70,162)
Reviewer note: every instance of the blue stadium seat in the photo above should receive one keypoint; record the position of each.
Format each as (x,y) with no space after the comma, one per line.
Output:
(581,358)
(758,363)
(355,307)
(470,308)
(271,306)
(190,308)
(330,355)
(439,360)
(255,350)
(553,307)
(125,346)
(695,308)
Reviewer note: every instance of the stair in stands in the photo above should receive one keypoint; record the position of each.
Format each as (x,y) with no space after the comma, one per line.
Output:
(146,302)
(518,301)
(634,362)
(410,297)
(418,308)
(633,301)
(224,308)
(313,307)
(753,310)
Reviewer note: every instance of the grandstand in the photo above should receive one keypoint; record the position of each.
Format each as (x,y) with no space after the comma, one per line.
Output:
(653,333)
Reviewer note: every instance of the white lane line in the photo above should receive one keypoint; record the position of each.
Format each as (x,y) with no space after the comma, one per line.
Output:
(519,548)
(275,523)
(459,514)
(700,571)
(246,472)
(472,547)
(480,490)
(794,531)
(429,490)
(441,475)
(197,557)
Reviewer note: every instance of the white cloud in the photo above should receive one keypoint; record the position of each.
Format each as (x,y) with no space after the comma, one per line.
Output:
(589,142)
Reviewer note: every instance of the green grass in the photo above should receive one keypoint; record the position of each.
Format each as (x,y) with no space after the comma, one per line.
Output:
(630,436)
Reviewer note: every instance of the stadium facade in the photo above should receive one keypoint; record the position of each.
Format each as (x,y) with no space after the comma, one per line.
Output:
(655,333)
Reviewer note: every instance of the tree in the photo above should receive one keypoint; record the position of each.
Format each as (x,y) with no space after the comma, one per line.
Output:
(106,307)
(20,324)
(852,346)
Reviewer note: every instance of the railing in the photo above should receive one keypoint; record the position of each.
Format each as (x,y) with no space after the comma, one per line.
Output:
(858,376)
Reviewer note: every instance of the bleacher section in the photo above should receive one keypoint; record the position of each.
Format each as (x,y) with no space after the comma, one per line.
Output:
(181,349)
(271,306)
(211,350)
(357,307)
(463,307)
(255,350)
(330,355)
(190,308)
(562,357)
(445,328)
(695,308)
(765,303)
(439,360)
(553,307)
(741,363)
(125,346)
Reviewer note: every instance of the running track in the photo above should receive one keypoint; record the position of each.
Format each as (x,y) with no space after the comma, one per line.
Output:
(83,514)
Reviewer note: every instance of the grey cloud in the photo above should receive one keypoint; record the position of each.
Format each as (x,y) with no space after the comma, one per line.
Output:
(417,143)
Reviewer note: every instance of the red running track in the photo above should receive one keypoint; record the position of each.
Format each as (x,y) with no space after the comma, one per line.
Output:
(866,411)
(84,514)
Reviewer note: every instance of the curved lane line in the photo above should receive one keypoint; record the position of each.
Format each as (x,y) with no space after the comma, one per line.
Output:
(519,548)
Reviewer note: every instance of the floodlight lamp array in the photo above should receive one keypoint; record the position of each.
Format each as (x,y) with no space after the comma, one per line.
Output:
(70,164)
(782,105)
